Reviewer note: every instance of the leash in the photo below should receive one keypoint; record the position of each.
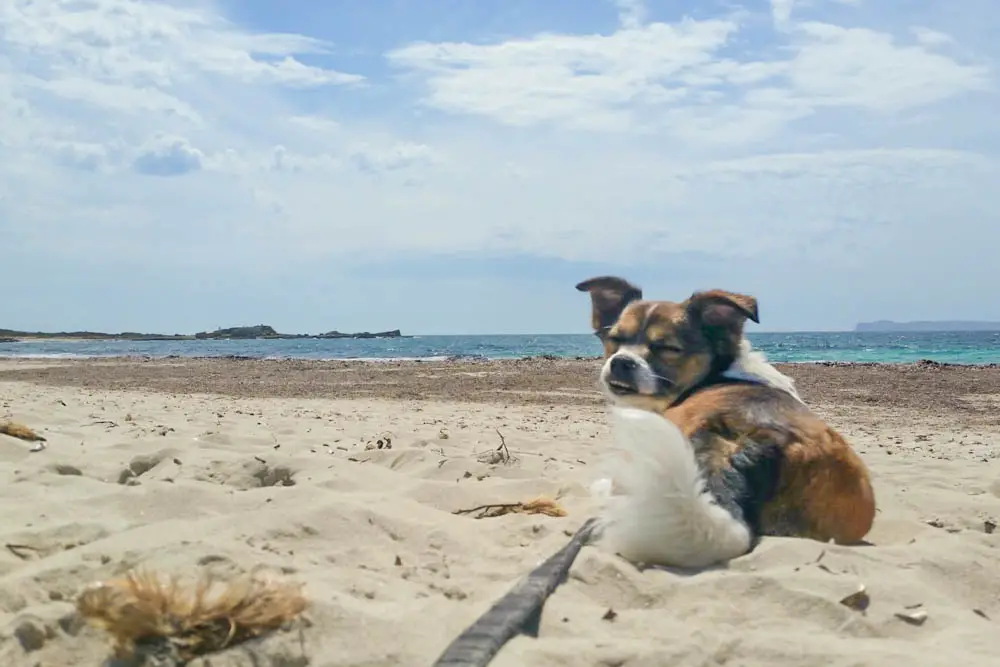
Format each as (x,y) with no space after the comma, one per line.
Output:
(714,381)
(517,612)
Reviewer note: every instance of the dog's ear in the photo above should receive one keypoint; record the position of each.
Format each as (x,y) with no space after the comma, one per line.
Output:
(718,308)
(608,296)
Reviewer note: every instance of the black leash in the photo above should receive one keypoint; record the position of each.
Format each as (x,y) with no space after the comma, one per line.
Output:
(517,612)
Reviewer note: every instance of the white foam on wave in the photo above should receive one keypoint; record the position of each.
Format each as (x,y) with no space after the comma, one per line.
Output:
(54,355)
(374,360)
(175,357)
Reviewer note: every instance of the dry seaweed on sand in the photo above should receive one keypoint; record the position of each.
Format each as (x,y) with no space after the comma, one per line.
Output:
(149,615)
(519,611)
(540,505)
(19,431)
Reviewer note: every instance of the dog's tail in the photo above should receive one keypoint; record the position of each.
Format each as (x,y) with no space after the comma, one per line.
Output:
(660,511)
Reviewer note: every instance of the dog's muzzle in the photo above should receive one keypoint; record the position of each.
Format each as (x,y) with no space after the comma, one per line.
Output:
(622,368)
(627,373)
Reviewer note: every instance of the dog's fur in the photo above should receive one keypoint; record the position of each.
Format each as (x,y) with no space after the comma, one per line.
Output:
(719,447)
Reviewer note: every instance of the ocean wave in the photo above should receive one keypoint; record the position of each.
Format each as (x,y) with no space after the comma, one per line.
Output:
(967,348)
(233,357)
(54,355)
(375,360)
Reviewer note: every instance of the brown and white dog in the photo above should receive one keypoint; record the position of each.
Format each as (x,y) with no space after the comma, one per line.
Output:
(719,449)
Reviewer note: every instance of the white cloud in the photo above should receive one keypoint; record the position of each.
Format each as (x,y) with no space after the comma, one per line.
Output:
(653,139)
(167,156)
(675,77)
(586,81)
(129,40)
(398,156)
(129,99)
(74,62)
(89,157)
(863,68)
(316,123)
(931,38)
(631,13)
(781,11)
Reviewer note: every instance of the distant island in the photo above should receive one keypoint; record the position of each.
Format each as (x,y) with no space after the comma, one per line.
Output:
(926,326)
(257,332)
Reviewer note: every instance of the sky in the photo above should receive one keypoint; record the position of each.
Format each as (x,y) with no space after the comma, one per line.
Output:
(457,166)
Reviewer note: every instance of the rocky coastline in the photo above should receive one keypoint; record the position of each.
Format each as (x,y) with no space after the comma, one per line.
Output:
(256,332)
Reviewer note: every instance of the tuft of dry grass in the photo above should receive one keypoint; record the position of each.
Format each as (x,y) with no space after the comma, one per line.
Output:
(147,614)
(19,431)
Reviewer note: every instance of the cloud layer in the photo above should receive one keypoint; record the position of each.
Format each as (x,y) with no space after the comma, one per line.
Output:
(818,136)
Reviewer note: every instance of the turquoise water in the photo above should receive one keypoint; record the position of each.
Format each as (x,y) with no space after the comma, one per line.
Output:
(957,347)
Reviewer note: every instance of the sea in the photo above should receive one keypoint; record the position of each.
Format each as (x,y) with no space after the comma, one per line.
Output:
(961,347)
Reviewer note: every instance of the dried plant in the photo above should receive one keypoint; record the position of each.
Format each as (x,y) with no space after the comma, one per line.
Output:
(20,431)
(540,505)
(146,615)
(499,455)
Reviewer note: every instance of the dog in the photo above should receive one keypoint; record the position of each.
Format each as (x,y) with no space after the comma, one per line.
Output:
(719,448)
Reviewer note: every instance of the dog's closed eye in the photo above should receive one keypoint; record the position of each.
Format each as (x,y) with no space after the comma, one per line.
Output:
(659,346)
(606,334)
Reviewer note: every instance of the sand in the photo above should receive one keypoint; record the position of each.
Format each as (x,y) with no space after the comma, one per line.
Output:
(230,466)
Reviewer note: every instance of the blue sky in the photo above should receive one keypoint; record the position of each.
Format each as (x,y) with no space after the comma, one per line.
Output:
(456,166)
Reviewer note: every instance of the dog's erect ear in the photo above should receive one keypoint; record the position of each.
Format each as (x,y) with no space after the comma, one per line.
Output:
(718,308)
(608,296)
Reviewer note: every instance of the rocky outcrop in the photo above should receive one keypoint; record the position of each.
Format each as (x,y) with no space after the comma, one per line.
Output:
(255,332)
(239,333)
(395,333)
(264,331)
(13,336)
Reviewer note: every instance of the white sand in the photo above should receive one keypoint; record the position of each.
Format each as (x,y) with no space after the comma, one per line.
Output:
(393,576)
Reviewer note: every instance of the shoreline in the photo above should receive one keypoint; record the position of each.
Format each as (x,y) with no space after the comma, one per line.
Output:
(471,358)
(917,389)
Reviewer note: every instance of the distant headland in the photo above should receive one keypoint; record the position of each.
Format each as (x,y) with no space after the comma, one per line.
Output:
(926,326)
(257,332)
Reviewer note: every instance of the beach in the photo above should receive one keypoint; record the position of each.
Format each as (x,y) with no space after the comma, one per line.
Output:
(347,476)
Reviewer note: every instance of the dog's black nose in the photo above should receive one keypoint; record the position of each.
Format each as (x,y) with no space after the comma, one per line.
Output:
(622,367)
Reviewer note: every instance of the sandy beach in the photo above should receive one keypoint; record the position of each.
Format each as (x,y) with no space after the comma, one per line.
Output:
(346,476)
